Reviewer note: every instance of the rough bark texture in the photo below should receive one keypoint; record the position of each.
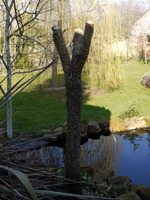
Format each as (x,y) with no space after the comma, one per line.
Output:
(54,66)
(72,70)
(8,61)
(54,70)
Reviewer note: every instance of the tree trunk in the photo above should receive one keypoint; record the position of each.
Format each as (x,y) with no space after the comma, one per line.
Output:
(54,66)
(8,62)
(72,154)
(54,69)
(72,70)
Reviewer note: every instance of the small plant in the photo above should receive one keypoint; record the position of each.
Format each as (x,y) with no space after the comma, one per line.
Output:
(131,111)
(145,78)
(61,171)
(87,179)
(84,177)
(23,62)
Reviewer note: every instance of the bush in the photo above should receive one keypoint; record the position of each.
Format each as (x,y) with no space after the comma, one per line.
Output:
(148,83)
(145,79)
(131,111)
(23,62)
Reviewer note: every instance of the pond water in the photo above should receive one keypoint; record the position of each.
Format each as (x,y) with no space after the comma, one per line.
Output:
(127,155)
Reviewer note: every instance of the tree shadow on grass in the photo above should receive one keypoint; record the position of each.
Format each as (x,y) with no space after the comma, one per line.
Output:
(44,87)
(42,108)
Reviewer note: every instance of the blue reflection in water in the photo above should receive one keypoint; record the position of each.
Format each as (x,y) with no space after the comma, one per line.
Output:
(136,163)
(127,155)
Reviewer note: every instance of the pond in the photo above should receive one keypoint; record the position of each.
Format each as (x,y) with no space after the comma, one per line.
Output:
(127,154)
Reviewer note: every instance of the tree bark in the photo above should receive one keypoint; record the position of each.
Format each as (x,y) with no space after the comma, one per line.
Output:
(73,70)
(8,61)
(54,69)
(54,66)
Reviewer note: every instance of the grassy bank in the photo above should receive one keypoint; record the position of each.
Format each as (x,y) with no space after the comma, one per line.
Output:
(39,108)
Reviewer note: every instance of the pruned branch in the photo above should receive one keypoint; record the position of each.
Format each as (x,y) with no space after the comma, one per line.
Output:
(81,46)
(61,47)
(88,33)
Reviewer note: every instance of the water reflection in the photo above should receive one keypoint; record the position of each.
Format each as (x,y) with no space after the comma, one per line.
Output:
(127,155)
(133,139)
(148,139)
(103,153)
(135,163)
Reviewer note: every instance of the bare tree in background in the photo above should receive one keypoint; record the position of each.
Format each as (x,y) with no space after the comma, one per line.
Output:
(73,70)
(19,18)
(130,11)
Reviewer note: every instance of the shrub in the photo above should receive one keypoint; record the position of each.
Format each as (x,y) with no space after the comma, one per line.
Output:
(23,62)
(148,83)
(145,78)
(131,111)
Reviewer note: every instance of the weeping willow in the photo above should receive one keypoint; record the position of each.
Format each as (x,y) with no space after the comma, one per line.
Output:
(102,70)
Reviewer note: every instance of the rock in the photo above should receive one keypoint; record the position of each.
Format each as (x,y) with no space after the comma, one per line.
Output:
(116,125)
(120,180)
(102,174)
(98,182)
(135,188)
(56,130)
(65,127)
(84,128)
(51,138)
(49,131)
(102,189)
(130,195)
(104,124)
(65,124)
(94,127)
(119,185)
(135,123)
(117,190)
(147,120)
(41,133)
(88,170)
(144,193)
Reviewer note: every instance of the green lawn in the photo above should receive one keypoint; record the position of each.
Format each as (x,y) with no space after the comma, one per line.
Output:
(119,100)
(41,109)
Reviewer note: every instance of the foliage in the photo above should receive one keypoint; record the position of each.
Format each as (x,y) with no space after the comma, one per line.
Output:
(145,79)
(23,178)
(86,178)
(148,83)
(142,55)
(1,44)
(131,111)
(23,62)
(61,171)
(102,70)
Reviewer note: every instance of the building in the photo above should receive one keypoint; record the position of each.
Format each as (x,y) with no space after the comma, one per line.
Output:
(140,37)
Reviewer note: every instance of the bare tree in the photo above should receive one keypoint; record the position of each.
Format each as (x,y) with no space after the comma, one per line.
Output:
(73,70)
(19,18)
(130,11)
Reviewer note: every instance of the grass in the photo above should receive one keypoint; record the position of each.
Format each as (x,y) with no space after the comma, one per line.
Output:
(39,108)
